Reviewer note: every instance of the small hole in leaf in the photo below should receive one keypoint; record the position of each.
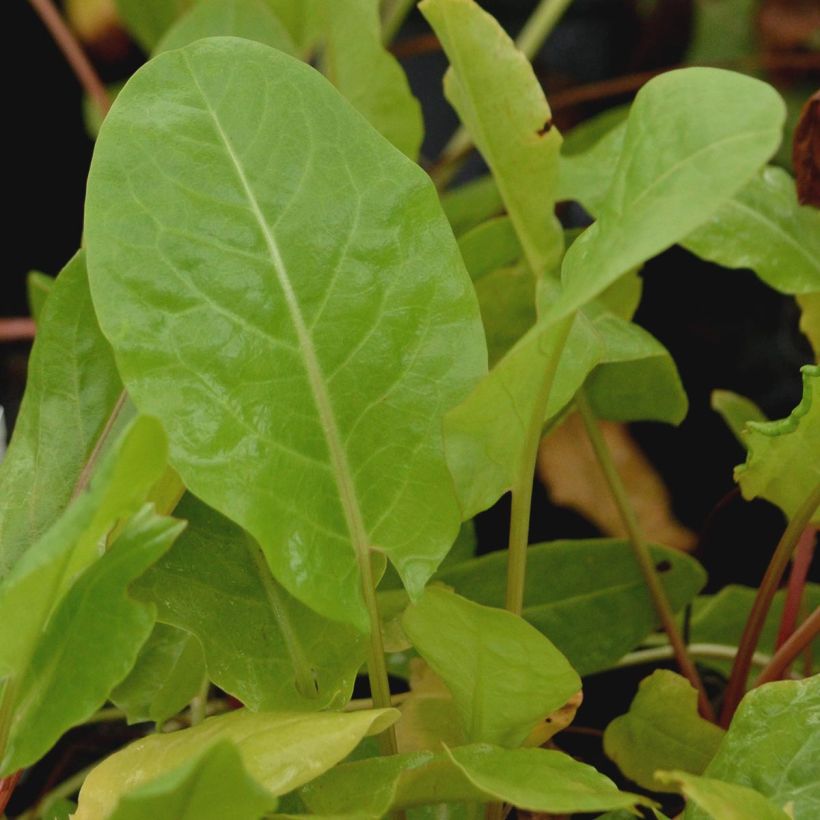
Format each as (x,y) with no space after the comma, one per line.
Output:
(545,129)
(663,566)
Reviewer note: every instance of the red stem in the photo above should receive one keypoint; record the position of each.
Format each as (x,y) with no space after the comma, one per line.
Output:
(803,554)
(797,642)
(7,786)
(16,329)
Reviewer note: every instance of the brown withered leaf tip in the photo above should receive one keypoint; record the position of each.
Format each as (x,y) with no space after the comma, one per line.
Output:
(806,152)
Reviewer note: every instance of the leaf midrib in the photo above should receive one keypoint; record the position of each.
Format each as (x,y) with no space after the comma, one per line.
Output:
(338,456)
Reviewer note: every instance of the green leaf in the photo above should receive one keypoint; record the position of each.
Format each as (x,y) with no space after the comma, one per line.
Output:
(250,19)
(693,139)
(782,464)
(810,320)
(538,780)
(301,372)
(491,245)
(212,787)
(661,730)
(736,411)
(764,227)
(214,584)
(471,204)
(720,619)
(493,87)
(368,75)
(167,674)
(46,572)
(504,675)
(772,746)
(148,20)
(587,597)
(38,287)
(72,388)
(90,642)
(279,750)
(723,800)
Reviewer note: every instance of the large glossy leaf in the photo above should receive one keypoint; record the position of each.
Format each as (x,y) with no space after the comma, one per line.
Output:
(45,573)
(661,730)
(89,644)
(167,674)
(773,746)
(504,675)
(693,139)
(72,387)
(212,787)
(251,19)
(587,597)
(369,77)
(493,87)
(539,780)
(720,619)
(782,465)
(214,584)
(279,750)
(727,801)
(307,320)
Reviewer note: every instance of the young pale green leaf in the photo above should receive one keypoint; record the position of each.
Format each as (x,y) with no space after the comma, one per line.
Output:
(772,746)
(717,799)
(764,227)
(693,139)
(148,20)
(587,597)
(720,619)
(168,673)
(308,319)
(46,572)
(489,246)
(471,204)
(538,780)
(368,75)
(215,584)
(71,390)
(736,411)
(810,320)
(504,675)
(661,730)
(782,464)
(38,287)
(250,19)
(493,87)
(89,644)
(214,786)
(541,780)
(279,750)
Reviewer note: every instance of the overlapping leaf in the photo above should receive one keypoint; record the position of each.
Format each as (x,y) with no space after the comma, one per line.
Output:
(504,675)
(89,644)
(301,373)
(661,730)
(279,750)
(782,465)
(538,780)
(71,390)
(214,584)
(493,88)
(587,597)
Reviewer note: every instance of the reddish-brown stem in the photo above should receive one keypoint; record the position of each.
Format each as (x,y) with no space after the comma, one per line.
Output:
(796,643)
(16,329)
(7,787)
(803,554)
(762,603)
(73,52)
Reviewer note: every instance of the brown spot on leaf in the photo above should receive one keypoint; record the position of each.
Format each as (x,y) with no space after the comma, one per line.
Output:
(806,152)
(663,566)
(545,128)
